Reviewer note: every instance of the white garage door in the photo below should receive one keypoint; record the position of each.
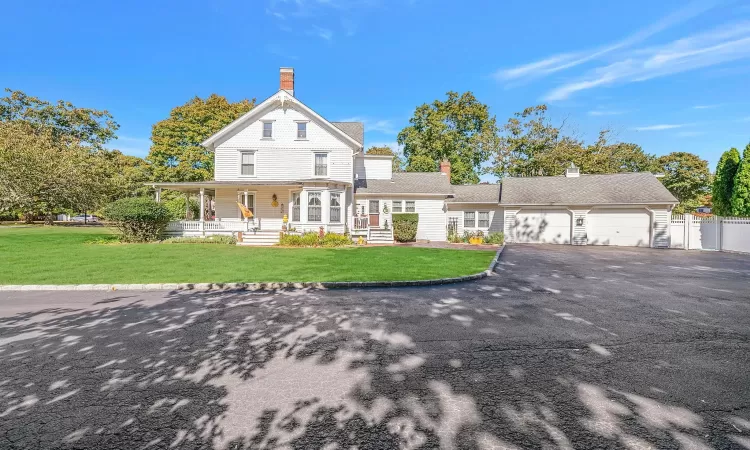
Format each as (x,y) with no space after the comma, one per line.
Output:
(542,225)
(625,227)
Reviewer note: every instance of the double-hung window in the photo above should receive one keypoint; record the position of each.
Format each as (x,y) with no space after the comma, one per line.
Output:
(335,207)
(295,207)
(301,130)
(469,219)
(397,206)
(410,206)
(484,219)
(267,130)
(321,164)
(314,207)
(247,163)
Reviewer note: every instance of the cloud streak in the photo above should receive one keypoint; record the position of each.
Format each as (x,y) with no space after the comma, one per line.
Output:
(661,127)
(563,61)
(729,42)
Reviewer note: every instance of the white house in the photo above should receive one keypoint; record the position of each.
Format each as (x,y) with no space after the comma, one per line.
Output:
(282,159)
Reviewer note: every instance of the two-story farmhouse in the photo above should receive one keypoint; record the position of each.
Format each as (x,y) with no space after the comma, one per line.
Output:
(284,159)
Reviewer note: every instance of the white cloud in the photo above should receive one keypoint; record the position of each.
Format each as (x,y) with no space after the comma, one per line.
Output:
(661,127)
(384,126)
(568,60)
(727,43)
(323,33)
(705,106)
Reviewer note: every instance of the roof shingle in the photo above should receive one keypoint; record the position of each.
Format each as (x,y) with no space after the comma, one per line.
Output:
(476,193)
(407,183)
(619,188)
(355,130)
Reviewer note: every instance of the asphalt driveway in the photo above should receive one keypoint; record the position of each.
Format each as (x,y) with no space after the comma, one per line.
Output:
(565,347)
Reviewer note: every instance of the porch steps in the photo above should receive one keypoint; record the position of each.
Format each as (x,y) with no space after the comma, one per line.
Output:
(380,236)
(259,238)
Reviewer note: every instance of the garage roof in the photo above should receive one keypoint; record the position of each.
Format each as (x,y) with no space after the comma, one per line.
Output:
(620,188)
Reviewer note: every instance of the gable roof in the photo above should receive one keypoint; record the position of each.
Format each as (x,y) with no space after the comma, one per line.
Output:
(476,193)
(283,97)
(355,130)
(619,188)
(427,183)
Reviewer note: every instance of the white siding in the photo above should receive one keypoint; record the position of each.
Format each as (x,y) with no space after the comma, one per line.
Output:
(373,168)
(283,157)
(496,216)
(432,220)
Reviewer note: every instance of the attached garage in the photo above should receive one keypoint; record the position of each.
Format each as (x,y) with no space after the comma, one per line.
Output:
(550,226)
(624,209)
(623,227)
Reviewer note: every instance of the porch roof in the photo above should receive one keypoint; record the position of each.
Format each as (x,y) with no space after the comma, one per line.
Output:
(195,186)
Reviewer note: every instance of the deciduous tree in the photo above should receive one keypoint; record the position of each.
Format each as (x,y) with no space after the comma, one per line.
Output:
(63,120)
(458,128)
(723,184)
(741,192)
(532,146)
(687,177)
(40,174)
(176,153)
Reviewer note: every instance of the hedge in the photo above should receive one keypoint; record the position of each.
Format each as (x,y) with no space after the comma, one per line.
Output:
(139,219)
(405,226)
(311,239)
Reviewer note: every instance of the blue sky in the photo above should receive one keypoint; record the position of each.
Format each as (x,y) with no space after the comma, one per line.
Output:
(669,75)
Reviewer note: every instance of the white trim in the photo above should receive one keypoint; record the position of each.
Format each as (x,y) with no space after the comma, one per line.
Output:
(281,96)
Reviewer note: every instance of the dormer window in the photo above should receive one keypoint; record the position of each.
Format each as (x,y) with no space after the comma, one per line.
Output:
(267,130)
(301,130)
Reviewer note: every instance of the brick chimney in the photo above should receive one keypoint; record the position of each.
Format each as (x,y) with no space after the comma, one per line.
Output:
(286,79)
(445,167)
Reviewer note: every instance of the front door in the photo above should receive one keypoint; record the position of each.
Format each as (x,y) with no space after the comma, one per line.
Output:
(374,213)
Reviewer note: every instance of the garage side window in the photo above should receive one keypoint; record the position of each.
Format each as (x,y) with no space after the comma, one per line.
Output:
(410,206)
(469,219)
(484,219)
(397,206)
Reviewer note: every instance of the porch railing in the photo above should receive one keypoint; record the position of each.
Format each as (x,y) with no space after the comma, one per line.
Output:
(211,226)
(361,223)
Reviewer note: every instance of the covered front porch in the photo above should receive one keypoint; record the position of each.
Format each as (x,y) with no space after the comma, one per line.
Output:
(274,207)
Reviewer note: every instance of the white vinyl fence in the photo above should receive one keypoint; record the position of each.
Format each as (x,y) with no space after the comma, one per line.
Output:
(710,233)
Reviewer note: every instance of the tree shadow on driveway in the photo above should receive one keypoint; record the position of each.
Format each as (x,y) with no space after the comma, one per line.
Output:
(412,368)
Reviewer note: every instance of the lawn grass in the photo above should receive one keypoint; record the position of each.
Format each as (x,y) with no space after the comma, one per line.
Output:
(61,255)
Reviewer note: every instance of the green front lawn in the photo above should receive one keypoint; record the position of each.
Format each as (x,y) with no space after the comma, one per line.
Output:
(61,255)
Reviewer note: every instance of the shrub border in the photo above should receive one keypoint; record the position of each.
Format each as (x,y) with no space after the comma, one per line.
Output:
(270,286)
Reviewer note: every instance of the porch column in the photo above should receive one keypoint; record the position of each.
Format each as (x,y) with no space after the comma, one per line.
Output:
(158,195)
(247,221)
(187,206)
(203,204)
